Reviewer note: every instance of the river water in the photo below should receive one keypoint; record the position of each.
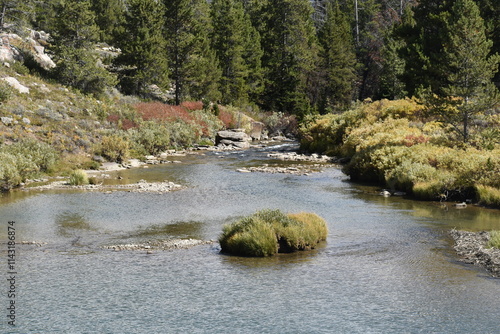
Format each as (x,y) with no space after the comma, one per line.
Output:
(387,265)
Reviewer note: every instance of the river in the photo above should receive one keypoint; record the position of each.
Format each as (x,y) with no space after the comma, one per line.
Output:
(386,267)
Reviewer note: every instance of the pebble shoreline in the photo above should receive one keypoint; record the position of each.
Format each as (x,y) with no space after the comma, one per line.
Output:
(472,248)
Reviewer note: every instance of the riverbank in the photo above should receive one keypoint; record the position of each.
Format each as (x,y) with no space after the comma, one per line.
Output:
(140,187)
(472,249)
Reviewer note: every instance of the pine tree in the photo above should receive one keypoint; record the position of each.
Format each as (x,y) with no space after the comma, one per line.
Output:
(470,67)
(393,66)
(290,56)
(15,13)
(236,44)
(143,60)
(338,60)
(193,65)
(75,34)
(423,32)
(110,15)
(202,70)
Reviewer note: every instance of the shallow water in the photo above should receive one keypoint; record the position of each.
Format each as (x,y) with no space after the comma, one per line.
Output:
(387,266)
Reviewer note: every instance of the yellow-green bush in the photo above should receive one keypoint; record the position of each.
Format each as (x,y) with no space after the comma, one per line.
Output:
(78,178)
(488,196)
(24,159)
(494,239)
(114,148)
(270,231)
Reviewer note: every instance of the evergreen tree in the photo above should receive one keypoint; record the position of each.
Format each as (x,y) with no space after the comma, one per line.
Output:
(236,44)
(75,34)
(110,15)
(14,13)
(193,65)
(470,67)
(290,56)
(338,60)
(393,66)
(143,60)
(202,69)
(423,32)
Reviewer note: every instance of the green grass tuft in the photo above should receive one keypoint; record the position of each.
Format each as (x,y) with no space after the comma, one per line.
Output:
(488,196)
(494,239)
(268,232)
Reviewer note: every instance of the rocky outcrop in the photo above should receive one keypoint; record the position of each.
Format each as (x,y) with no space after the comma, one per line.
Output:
(257,130)
(34,45)
(235,137)
(472,248)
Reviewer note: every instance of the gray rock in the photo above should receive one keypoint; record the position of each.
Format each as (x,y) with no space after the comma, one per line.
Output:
(232,136)
(7,120)
(14,83)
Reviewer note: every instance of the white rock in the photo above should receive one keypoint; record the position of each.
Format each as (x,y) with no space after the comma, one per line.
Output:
(14,83)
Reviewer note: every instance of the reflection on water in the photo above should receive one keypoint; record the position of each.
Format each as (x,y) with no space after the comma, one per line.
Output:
(190,229)
(69,223)
(386,267)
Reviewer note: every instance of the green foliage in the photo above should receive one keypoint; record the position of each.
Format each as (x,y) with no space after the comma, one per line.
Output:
(24,159)
(13,170)
(81,69)
(78,178)
(488,196)
(494,239)
(237,46)
(194,69)
(152,137)
(5,91)
(41,155)
(338,60)
(270,231)
(114,148)
(388,143)
(143,60)
(290,55)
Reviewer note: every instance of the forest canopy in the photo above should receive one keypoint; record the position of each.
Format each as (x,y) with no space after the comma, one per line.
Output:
(294,56)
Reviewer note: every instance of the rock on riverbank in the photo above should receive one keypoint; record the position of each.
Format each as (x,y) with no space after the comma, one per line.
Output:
(472,248)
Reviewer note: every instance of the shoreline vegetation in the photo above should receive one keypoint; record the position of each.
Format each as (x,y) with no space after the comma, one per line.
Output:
(397,145)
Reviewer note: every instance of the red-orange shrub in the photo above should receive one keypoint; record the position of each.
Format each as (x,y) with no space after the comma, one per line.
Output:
(192,105)
(152,111)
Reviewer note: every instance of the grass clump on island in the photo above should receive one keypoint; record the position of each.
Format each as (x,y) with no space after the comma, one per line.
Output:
(268,232)
(494,239)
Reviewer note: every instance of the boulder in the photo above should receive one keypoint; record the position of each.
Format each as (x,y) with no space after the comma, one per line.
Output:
(236,138)
(14,83)
(257,130)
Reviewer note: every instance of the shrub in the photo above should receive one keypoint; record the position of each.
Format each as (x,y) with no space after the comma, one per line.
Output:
(5,91)
(152,137)
(42,155)
(494,239)
(10,175)
(114,148)
(488,196)
(270,231)
(78,178)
